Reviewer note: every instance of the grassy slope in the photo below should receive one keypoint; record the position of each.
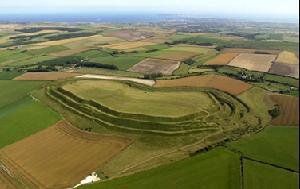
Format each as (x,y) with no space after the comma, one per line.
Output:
(124,98)
(215,169)
(277,145)
(264,176)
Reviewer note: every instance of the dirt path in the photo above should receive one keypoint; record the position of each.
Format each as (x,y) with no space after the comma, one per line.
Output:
(142,81)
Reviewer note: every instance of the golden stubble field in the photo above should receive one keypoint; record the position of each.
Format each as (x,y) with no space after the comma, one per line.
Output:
(60,156)
(254,62)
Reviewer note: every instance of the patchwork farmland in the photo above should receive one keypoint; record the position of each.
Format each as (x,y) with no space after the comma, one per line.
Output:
(168,105)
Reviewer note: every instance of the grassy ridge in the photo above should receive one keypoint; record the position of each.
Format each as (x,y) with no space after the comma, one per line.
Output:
(199,172)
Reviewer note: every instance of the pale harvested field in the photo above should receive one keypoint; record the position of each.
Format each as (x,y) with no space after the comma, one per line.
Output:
(222,83)
(129,45)
(152,65)
(241,50)
(60,156)
(93,41)
(254,62)
(129,35)
(291,70)
(222,59)
(70,52)
(289,110)
(177,55)
(286,57)
(61,42)
(46,76)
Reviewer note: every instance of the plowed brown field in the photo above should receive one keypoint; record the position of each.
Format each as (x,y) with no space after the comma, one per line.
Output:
(60,156)
(153,65)
(222,59)
(222,83)
(46,76)
(289,110)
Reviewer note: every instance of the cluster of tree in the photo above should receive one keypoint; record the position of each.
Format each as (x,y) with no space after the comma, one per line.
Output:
(275,112)
(189,42)
(41,68)
(98,65)
(69,35)
(189,61)
(151,50)
(248,76)
(38,29)
(153,76)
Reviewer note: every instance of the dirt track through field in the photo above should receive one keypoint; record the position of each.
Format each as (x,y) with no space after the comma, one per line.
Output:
(62,155)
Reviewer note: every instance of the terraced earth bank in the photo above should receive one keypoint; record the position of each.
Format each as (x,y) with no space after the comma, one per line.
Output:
(185,111)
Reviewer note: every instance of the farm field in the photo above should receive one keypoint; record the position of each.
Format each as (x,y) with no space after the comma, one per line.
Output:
(223,83)
(24,118)
(276,145)
(289,110)
(9,75)
(129,45)
(45,76)
(222,59)
(284,69)
(255,62)
(264,176)
(191,173)
(15,103)
(287,57)
(61,149)
(155,65)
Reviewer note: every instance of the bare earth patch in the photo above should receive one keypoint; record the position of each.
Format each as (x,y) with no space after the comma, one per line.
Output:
(291,70)
(46,76)
(254,62)
(154,65)
(222,83)
(60,156)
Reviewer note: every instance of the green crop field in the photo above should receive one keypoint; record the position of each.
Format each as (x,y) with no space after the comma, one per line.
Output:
(215,169)
(13,91)
(277,145)
(9,75)
(257,175)
(23,119)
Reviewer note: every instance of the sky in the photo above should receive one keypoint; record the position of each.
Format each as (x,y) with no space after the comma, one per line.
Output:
(277,8)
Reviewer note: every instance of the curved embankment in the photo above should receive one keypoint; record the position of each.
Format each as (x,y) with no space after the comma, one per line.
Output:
(226,113)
